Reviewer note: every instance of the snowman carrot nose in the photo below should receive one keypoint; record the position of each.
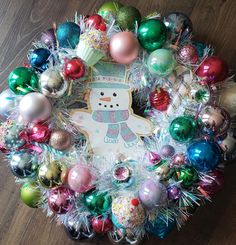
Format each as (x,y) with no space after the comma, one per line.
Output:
(108,99)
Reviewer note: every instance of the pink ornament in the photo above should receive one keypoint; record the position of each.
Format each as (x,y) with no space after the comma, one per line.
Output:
(124,47)
(39,133)
(178,160)
(101,224)
(80,178)
(154,158)
(61,200)
(187,54)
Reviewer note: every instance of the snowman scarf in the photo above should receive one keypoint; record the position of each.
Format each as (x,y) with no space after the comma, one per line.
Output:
(116,125)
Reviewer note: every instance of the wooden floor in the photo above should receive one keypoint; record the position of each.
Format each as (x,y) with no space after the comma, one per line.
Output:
(21,22)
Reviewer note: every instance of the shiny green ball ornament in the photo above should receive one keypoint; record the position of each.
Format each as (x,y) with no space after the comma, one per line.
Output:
(152,34)
(109,10)
(30,194)
(188,175)
(127,17)
(161,62)
(97,203)
(183,128)
(23,80)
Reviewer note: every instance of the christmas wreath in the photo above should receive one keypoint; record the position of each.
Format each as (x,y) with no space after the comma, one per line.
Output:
(114,125)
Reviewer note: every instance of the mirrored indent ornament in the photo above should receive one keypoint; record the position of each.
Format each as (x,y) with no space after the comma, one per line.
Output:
(52,84)
(24,164)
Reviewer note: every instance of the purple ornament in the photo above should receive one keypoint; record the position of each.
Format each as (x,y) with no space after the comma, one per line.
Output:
(152,194)
(154,158)
(167,151)
(48,38)
(174,192)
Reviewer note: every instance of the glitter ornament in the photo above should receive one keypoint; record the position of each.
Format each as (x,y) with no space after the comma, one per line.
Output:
(60,139)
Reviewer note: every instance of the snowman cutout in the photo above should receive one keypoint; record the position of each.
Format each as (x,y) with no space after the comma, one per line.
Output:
(109,123)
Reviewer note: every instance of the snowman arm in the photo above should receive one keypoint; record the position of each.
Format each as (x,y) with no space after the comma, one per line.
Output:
(140,125)
(81,118)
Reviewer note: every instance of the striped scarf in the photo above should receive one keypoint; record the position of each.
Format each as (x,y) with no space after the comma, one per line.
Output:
(116,125)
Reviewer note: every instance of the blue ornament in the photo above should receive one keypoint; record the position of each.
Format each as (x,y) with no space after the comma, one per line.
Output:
(40,58)
(160,227)
(202,49)
(204,155)
(68,34)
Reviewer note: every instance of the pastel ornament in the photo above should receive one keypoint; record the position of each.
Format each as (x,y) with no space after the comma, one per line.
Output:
(48,37)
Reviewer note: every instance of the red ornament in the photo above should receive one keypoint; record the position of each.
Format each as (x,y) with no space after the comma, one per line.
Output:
(160,99)
(214,183)
(135,202)
(73,69)
(213,70)
(39,133)
(97,22)
(101,224)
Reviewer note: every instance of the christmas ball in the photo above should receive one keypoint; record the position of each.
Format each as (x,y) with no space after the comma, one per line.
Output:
(214,183)
(35,107)
(179,26)
(213,120)
(183,128)
(40,58)
(80,178)
(187,54)
(128,17)
(8,102)
(101,224)
(50,174)
(24,164)
(68,34)
(79,231)
(154,158)
(228,144)
(160,99)
(109,10)
(151,193)
(127,211)
(30,194)
(204,155)
(97,203)
(49,38)
(60,139)
(124,47)
(213,70)
(39,132)
(167,151)
(178,160)
(10,136)
(73,69)
(152,34)
(174,192)
(52,84)
(23,80)
(96,21)
(61,200)
(161,62)
(187,175)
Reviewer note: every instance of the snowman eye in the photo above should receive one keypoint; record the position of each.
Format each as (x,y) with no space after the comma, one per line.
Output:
(101,93)
(114,94)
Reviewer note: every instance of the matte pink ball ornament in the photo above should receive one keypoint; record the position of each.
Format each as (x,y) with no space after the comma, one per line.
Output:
(80,178)
(124,47)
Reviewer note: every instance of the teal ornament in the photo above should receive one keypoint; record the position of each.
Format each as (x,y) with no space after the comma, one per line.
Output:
(40,58)
(161,62)
(183,128)
(161,227)
(97,203)
(204,155)
(68,34)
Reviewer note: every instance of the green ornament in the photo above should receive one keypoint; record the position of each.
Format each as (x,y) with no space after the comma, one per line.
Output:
(97,203)
(152,34)
(188,175)
(23,80)
(202,96)
(161,62)
(127,17)
(109,10)
(30,194)
(183,128)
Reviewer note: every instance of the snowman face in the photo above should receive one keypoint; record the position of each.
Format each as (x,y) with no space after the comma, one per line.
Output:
(108,99)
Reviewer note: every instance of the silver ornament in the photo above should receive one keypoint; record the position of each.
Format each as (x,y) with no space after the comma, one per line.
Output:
(35,107)
(8,101)
(52,83)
